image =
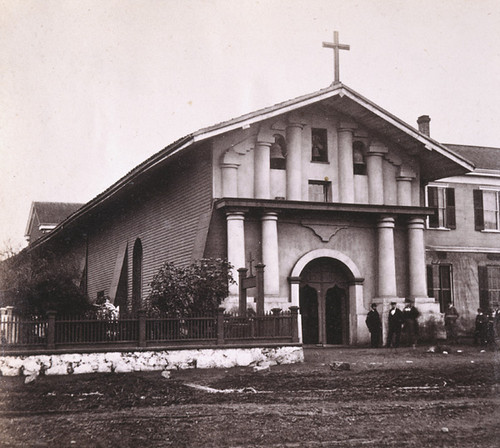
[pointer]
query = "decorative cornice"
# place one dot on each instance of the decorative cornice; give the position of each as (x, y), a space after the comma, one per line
(325, 231)
(330, 207)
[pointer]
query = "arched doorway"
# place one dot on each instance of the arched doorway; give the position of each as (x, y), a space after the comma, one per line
(324, 302)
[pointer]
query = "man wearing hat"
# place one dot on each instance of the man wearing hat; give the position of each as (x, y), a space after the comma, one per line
(395, 322)
(410, 323)
(450, 323)
(374, 325)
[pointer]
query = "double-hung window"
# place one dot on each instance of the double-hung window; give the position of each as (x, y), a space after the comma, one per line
(487, 209)
(439, 284)
(489, 286)
(442, 200)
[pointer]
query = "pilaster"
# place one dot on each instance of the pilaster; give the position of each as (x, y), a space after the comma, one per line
(229, 180)
(262, 167)
(346, 172)
(374, 170)
(294, 162)
(229, 174)
(404, 190)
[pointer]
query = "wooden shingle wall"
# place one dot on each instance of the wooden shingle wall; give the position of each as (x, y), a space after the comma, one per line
(164, 212)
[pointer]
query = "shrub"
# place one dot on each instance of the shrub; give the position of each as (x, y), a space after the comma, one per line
(198, 288)
(38, 284)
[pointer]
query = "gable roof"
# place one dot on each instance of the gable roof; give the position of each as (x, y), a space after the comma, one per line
(437, 160)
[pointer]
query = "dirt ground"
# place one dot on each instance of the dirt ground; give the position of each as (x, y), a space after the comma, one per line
(389, 398)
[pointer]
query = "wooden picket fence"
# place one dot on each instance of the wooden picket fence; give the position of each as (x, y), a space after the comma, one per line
(143, 330)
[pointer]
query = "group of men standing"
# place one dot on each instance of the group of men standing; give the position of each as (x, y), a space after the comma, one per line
(399, 321)
(487, 328)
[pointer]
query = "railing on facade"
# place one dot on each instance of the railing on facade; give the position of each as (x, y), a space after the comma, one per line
(143, 330)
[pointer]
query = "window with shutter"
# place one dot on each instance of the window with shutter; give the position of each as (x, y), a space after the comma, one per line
(442, 200)
(440, 284)
(483, 287)
(490, 210)
(444, 286)
(432, 201)
(493, 284)
(430, 282)
(486, 209)
(450, 209)
(478, 210)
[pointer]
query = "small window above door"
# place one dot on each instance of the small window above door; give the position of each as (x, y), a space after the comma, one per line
(319, 147)
(319, 191)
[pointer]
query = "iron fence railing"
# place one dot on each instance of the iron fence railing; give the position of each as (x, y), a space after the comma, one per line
(145, 330)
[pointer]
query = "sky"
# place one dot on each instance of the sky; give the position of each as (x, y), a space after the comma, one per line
(91, 88)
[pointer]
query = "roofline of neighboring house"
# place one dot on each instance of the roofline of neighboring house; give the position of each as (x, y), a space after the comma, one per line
(242, 122)
(33, 212)
(30, 219)
(484, 173)
(476, 177)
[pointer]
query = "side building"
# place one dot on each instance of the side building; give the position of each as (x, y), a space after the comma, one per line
(463, 236)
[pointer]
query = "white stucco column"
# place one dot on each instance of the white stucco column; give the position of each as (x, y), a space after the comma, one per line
(375, 172)
(262, 170)
(386, 258)
(404, 190)
(346, 168)
(294, 299)
(229, 180)
(416, 255)
(270, 254)
(235, 245)
(294, 162)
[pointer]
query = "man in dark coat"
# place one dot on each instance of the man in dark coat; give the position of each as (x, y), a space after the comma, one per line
(410, 324)
(395, 322)
(480, 328)
(374, 325)
(450, 324)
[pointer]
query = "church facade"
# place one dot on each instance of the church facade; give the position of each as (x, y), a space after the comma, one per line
(328, 191)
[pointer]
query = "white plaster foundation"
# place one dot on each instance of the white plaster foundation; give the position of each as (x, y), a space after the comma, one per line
(144, 361)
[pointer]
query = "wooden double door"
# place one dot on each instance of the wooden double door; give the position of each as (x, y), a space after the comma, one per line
(324, 302)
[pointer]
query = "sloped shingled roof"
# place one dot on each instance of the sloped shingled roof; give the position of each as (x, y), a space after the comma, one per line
(483, 157)
(54, 212)
(49, 214)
